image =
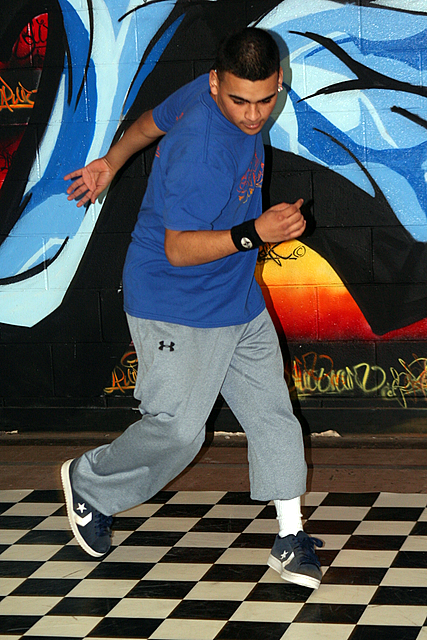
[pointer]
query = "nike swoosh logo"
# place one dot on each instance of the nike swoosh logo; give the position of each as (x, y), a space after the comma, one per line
(82, 522)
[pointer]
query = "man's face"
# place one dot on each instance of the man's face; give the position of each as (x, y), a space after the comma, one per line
(246, 104)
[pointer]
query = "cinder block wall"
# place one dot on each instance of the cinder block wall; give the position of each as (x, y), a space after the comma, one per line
(348, 300)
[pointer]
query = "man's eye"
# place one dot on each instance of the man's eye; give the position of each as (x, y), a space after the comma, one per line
(266, 101)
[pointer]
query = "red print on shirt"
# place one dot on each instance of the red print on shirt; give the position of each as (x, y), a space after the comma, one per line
(251, 179)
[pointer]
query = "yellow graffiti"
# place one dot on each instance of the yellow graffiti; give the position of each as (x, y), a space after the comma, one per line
(412, 381)
(19, 99)
(313, 373)
(124, 374)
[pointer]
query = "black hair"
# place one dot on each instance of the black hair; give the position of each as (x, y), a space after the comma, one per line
(250, 54)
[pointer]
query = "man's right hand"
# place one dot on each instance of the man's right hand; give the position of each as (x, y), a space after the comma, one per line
(281, 222)
(89, 181)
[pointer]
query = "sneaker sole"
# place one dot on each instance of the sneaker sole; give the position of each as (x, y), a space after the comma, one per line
(295, 578)
(68, 493)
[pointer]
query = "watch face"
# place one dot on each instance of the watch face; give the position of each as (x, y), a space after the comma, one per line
(246, 243)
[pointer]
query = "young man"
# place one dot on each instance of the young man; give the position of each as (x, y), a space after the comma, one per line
(197, 316)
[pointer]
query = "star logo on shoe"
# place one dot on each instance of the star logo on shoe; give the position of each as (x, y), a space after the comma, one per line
(82, 507)
(287, 557)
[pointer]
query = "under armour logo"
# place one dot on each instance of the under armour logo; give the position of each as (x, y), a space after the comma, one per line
(166, 346)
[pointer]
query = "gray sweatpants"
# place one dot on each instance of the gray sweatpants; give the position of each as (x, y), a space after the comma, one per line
(181, 371)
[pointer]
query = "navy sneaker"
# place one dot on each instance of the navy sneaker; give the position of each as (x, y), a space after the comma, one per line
(295, 559)
(91, 528)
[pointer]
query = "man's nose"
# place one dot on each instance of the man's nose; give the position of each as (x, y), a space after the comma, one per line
(252, 112)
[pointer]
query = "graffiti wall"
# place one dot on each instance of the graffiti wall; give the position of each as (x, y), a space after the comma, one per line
(349, 135)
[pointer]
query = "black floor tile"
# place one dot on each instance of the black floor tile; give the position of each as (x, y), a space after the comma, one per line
(354, 575)
(340, 527)
(394, 514)
(410, 560)
(199, 555)
(45, 587)
(18, 568)
(205, 609)
(330, 613)
(279, 592)
(71, 553)
(121, 570)
(254, 541)
(20, 522)
(239, 497)
(44, 495)
(377, 632)
(17, 625)
(127, 523)
(84, 607)
(161, 497)
(350, 499)
(125, 628)
(183, 510)
(222, 525)
(420, 529)
(375, 543)
(153, 538)
(235, 573)
(46, 536)
(252, 631)
(411, 596)
(5, 506)
(162, 589)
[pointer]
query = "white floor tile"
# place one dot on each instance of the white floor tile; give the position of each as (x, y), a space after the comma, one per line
(267, 611)
(342, 594)
(32, 509)
(177, 571)
(244, 556)
(339, 513)
(188, 630)
(197, 497)
(168, 524)
(220, 591)
(26, 552)
(65, 626)
(234, 511)
(137, 554)
(27, 605)
(206, 539)
(143, 608)
(75, 570)
(395, 615)
(362, 558)
(305, 631)
(92, 588)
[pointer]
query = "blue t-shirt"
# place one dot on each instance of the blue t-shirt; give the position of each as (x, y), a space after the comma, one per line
(207, 174)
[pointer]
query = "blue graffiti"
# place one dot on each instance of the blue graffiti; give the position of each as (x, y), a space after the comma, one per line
(43, 250)
(357, 101)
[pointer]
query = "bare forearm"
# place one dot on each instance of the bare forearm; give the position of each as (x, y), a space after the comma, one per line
(190, 248)
(139, 135)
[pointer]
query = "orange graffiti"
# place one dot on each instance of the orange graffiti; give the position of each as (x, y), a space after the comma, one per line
(18, 99)
(124, 374)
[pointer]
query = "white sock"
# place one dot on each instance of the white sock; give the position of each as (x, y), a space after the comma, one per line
(289, 516)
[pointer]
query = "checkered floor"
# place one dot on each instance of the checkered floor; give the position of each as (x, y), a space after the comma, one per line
(191, 565)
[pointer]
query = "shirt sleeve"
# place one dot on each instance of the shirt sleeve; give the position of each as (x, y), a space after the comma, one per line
(167, 113)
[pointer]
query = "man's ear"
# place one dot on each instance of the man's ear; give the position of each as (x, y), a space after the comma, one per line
(213, 82)
(280, 79)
